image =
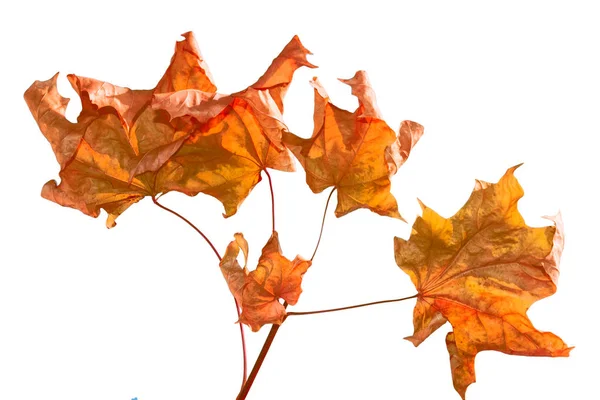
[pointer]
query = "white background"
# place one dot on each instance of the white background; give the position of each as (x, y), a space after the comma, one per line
(142, 310)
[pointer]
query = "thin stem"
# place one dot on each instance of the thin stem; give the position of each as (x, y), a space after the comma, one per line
(243, 338)
(322, 223)
(237, 306)
(350, 307)
(272, 198)
(190, 224)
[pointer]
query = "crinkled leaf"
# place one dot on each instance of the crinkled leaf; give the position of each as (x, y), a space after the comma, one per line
(481, 270)
(109, 157)
(205, 164)
(122, 148)
(236, 137)
(95, 155)
(265, 96)
(260, 291)
(354, 152)
(153, 134)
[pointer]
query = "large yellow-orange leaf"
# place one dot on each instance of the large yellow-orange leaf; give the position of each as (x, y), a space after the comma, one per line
(237, 136)
(259, 291)
(356, 153)
(481, 270)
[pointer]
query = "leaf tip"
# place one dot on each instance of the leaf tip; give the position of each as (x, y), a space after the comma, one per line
(511, 170)
(297, 47)
(296, 43)
(74, 81)
(45, 93)
(565, 352)
(319, 89)
(110, 221)
(189, 35)
(416, 342)
(48, 190)
(392, 213)
(189, 43)
(556, 219)
(399, 239)
(480, 185)
(360, 78)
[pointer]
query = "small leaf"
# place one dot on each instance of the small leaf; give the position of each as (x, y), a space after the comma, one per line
(259, 291)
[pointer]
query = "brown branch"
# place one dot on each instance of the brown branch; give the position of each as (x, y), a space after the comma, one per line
(350, 307)
(259, 360)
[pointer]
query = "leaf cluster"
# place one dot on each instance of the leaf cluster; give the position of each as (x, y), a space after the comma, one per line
(479, 270)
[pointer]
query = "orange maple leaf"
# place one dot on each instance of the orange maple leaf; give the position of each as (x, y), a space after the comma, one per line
(354, 152)
(237, 135)
(259, 292)
(481, 270)
(108, 158)
(116, 153)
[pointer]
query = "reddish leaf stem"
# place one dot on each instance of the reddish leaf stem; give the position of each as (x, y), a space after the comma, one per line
(322, 223)
(237, 306)
(272, 198)
(212, 246)
(350, 307)
(243, 339)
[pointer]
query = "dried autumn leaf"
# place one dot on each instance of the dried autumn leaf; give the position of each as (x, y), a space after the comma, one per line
(153, 134)
(265, 96)
(259, 292)
(94, 154)
(356, 153)
(108, 157)
(481, 270)
(237, 136)
(203, 164)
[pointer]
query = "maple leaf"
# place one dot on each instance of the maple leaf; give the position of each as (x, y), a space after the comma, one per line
(481, 270)
(114, 155)
(94, 155)
(109, 156)
(237, 136)
(259, 291)
(356, 153)
(153, 134)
